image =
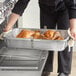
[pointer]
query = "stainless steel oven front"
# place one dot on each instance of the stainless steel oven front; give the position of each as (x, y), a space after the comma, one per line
(22, 62)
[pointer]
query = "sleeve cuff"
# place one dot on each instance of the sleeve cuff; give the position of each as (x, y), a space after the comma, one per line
(72, 13)
(20, 7)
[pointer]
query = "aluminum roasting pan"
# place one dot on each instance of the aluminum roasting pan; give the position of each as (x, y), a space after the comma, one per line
(58, 45)
(13, 42)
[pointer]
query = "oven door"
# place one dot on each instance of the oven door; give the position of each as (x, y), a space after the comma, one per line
(22, 59)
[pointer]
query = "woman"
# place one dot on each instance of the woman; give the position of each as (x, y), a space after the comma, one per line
(52, 12)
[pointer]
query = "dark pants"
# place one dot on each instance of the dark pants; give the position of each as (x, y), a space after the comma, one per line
(50, 17)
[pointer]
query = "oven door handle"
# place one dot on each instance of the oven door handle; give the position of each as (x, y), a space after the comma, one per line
(19, 68)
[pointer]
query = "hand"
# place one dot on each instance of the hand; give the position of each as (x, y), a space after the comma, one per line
(73, 33)
(73, 28)
(7, 28)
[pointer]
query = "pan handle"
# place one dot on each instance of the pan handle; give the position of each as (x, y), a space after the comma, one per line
(71, 41)
(45, 27)
(3, 34)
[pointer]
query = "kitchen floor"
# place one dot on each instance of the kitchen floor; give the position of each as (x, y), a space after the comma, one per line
(73, 72)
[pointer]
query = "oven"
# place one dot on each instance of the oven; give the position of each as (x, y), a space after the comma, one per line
(22, 62)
